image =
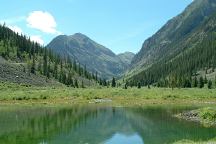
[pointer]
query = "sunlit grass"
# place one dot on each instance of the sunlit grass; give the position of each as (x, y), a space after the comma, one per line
(213, 141)
(15, 92)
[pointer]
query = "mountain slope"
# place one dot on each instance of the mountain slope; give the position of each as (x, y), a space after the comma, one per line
(179, 49)
(12, 72)
(166, 41)
(96, 57)
(126, 57)
(26, 62)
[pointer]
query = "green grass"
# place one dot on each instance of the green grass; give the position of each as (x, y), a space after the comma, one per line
(213, 141)
(132, 96)
(207, 116)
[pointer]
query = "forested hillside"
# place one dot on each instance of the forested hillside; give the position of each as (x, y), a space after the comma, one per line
(23, 59)
(183, 52)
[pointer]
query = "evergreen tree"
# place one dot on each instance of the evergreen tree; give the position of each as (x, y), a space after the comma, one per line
(40, 67)
(75, 65)
(96, 76)
(76, 83)
(187, 83)
(206, 80)
(125, 86)
(64, 78)
(215, 81)
(55, 73)
(79, 70)
(209, 84)
(113, 82)
(33, 65)
(100, 82)
(45, 65)
(104, 82)
(172, 80)
(85, 71)
(48, 69)
(195, 82)
(139, 85)
(201, 82)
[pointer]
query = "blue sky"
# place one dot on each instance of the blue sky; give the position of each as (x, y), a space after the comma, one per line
(121, 25)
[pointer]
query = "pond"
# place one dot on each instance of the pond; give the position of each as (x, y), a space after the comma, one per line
(97, 125)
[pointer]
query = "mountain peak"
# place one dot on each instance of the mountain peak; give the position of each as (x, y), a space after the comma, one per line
(96, 57)
(79, 35)
(127, 52)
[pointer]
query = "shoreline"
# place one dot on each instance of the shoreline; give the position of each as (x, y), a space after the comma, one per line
(205, 116)
(112, 101)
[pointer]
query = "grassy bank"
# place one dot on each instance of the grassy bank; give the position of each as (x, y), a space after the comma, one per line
(213, 141)
(206, 116)
(14, 93)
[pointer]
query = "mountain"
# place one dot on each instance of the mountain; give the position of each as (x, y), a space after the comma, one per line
(126, 57)
(25, 62)
(94, 56)
(182, 47)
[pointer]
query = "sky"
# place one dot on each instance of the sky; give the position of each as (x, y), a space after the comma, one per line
(120, 25)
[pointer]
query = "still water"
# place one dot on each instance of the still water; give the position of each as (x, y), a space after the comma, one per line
(97, 125)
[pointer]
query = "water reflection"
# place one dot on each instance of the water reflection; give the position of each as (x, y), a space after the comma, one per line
(125, 139)
(96, 125)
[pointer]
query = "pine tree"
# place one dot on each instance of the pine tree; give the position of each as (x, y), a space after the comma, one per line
(206, 80)
(64, 78)
(201, 82)
(209, 84)
(104, 82)
(100, 82)
(55, 72)
(187, 83)
(79, 70)
(48, 69)
(85, 71)
(215, 81)
(45, 65)
(113, 82)
(172, 80)
(69, 79)
(125, 86)
(195, 82)
(33, 65)
(40, 67)
(96, 76)
(76, 83)
(75, 65)
(139, 85)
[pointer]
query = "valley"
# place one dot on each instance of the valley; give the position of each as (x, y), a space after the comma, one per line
(61, 91)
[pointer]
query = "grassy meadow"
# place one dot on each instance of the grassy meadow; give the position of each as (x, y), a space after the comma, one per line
(14, 93)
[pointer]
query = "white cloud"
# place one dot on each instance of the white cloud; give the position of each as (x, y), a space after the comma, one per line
(37, 38)
(15, 29)
(42, 21)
